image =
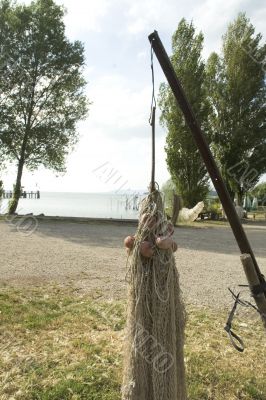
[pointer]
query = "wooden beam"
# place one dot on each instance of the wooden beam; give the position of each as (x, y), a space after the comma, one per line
(253, 282)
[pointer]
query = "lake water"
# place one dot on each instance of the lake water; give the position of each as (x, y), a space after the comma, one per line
(94, 205)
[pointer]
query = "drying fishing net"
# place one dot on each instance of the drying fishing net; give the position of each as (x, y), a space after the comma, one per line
(154, 361)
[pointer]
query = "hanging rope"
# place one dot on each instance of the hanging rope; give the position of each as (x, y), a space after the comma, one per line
(234, 338)
(153, 99)
(152, 123)
(152, 186)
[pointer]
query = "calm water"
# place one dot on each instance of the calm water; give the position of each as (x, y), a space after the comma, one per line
(99, 205)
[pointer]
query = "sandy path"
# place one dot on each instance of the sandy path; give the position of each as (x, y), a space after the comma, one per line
(91, 257)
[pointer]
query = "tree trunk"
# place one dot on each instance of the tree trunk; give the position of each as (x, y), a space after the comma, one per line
(1, 189)
(230, 191)
(240, 195)
(176, 208)
(17, 189)
(240, 198)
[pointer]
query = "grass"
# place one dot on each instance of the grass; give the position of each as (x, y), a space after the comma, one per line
(259, 215)
(57, 345)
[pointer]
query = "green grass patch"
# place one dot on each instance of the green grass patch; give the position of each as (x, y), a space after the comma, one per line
(57, 345)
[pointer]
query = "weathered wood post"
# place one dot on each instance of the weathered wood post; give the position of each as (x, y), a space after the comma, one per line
(254, 285)
(210, 163)
(176, 207)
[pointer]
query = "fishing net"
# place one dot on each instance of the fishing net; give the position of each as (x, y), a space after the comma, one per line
(154, 361)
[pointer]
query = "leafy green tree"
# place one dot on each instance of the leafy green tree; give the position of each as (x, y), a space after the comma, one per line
(41, 87)
(168, 189)
(259, 191)
(172, 200)
(184, 162)
(236, 83)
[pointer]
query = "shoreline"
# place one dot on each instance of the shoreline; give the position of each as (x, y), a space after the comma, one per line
(89, 256)
(8, 218)
(123, 221)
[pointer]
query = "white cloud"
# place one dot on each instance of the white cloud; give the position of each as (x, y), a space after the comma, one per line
(119, 111)
(213, 17)
(117, 52)
(85, 15)
(146, 15)
(142, 54)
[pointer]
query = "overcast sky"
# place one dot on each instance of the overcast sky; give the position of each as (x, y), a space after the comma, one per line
(115, 139)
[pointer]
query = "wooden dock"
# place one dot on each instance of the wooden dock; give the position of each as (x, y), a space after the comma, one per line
(8, 194)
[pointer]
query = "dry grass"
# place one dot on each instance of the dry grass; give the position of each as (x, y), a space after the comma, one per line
(58, 345)
(259, 215)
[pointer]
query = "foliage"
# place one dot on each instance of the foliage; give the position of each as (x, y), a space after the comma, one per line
(184, 162)
(168, 190)
(42, 87)
(215, 206)
(259, 191)
(236, 83)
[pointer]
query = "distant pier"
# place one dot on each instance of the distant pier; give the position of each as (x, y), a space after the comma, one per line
(8, 194)
(133, 202)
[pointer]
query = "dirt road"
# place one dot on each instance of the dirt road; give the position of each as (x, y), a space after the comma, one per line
(90, 257)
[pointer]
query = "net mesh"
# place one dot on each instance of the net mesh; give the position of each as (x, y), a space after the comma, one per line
(154, 361)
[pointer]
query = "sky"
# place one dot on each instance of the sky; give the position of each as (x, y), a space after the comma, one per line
(114, 150)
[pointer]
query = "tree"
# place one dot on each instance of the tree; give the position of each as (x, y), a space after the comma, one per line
(42, 87)
(236, 87)
(172, 200)
(168, 189)
(184, 162)
(259, 191)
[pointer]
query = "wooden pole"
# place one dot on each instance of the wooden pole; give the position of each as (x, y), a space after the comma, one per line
(253, 281)
(205, 152)
(176, 208)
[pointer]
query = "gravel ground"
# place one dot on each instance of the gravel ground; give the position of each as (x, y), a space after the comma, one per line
(90, 257)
